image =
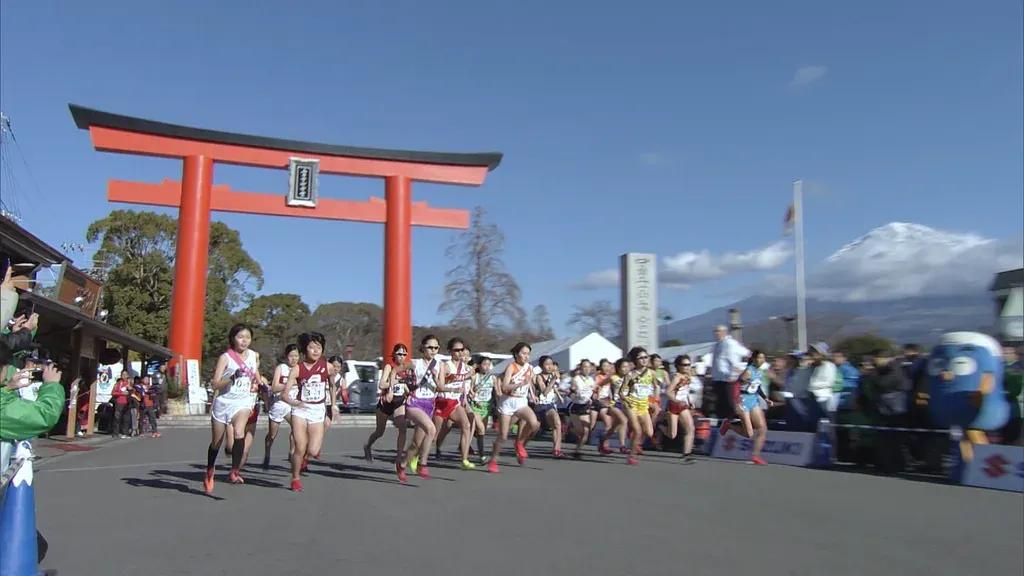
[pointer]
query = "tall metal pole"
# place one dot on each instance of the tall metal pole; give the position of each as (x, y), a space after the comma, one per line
(801, 288)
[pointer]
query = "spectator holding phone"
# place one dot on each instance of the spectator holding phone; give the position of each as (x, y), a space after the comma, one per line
(22, 419)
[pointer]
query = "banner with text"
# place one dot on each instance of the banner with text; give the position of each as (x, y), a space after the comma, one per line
(791, 448)
(993, 466)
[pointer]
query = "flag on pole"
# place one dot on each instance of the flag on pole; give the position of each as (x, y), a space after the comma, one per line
(787, 222)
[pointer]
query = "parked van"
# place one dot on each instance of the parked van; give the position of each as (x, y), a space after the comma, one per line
(361, 378)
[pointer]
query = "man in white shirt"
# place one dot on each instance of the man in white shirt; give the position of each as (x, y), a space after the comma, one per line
(823, 377)
(727, 363)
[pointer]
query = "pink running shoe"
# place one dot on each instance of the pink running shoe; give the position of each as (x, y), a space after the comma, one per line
(423, 472)
(758, 460)
(296, 485)
(632, 461)
(492, 467)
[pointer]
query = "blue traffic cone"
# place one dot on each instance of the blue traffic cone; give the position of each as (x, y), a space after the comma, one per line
(18, 544)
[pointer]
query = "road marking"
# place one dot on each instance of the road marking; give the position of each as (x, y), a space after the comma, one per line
(39, 470)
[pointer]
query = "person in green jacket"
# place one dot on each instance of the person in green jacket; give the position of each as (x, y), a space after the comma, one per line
(22, 419)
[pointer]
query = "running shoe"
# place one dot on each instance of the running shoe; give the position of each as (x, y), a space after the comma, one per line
(758, 460)
(492, 467)
(296, 485)
(558, 454)
(208, 481)
(689, 458)
(623, 450)
(577, 455)
(640, 450)
(235, 478)
(367, 453)
(156, 434)
(402, 476)
(521, 451)
(632, 461)
(724, 427)
(467, 465)
(603, 449)
(424, 473)
(414, 463)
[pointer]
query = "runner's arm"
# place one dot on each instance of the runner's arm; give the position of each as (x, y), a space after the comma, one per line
(292, 382)
(219, 383)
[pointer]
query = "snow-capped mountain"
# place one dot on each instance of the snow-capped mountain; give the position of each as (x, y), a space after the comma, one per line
(904, 240)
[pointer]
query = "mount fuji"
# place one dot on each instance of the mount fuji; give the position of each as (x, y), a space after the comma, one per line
(903, 281)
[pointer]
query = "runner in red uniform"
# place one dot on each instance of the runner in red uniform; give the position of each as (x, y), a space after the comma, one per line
(311, 405)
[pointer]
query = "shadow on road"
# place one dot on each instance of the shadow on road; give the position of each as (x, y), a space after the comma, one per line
(166, 485)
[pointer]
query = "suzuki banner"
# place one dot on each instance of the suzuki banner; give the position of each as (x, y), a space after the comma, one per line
(993, 466)
(791, 448)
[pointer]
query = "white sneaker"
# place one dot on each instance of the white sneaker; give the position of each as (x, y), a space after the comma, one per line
(123, 436)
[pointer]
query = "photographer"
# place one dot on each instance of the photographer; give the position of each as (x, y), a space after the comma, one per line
(22, 418)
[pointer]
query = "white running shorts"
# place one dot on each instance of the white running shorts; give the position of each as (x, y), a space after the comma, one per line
(509, 405)
(224, 409)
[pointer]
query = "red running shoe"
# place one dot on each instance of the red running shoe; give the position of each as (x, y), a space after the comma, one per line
(235, 478)
(558, 454)
(492, 467)
(423, 472)
(623, 450)
(724, 428)
(208, 481)
(758, 460)
(604, 449)
(402, 476)
(521, 451)
(296, 485)
(632, 461)
(640, 449)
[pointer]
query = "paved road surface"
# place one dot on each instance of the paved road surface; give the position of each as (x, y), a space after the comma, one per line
(137, 507)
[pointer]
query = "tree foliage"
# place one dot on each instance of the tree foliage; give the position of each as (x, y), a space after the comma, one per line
(599, 316)
(671, 342)
(480, 293)
(136, 252)
(541, 322)
(857, 347)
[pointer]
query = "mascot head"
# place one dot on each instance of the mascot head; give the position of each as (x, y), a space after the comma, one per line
(966, 382)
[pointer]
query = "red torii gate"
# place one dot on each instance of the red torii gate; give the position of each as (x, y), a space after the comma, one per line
(196, 195)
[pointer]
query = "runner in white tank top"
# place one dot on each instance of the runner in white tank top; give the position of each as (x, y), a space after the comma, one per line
(449, 406)
(236, 378)
(513, 391)
(280, 410)
(419, 407)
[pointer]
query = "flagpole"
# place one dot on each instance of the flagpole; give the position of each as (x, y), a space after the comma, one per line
(801, 304)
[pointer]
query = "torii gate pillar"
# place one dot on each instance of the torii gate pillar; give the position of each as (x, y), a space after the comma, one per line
(397, 262)
(191, 258)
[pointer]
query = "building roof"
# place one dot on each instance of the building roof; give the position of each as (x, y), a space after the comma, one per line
(26, 246)
(107, 332)
(1008, 279)
(87, 117)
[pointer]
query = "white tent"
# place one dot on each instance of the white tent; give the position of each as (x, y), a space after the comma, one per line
(569, 351)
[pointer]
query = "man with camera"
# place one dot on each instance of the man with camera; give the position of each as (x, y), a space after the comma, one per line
(31, 399)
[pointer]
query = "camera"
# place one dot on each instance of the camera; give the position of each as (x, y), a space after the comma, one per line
(37, 375)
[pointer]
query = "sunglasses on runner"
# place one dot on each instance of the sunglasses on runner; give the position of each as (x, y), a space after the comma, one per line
(432, 347)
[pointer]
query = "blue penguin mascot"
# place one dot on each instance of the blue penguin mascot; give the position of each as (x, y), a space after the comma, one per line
(966, 387)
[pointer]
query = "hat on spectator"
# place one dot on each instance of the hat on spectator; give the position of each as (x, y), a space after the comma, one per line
(819, 347)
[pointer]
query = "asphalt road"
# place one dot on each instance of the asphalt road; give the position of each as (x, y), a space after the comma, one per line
(136, 507)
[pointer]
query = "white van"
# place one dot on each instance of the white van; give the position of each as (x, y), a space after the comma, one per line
(361, 379)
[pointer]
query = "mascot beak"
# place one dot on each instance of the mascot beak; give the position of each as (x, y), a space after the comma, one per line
(947, 375)
(987, 383)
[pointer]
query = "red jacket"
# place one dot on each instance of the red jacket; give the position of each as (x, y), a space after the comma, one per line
(121, 391)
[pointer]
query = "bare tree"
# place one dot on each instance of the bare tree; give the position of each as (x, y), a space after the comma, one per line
(480, 292)
(541, 322)
(600, 317)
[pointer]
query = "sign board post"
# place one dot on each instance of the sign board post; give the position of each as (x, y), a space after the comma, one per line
(639, 310)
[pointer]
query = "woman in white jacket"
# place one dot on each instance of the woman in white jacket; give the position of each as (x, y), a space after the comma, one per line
(823, 377)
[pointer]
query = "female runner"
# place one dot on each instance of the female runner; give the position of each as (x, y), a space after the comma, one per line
(448, 405)
(546, 397)
(636, 388)
(280, 411)
(751, 416)
(609, 410)
(236, 378)
(661, 382)
(419, 406)
(581, 394)
(311, 405)
(514, 392)
(679, 405)
(481, 401)
(395, 382)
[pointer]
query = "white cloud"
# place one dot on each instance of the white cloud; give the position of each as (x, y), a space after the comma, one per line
(608, 278)
(902, 260)
(652, 158)
(687, 268)
(807, 75)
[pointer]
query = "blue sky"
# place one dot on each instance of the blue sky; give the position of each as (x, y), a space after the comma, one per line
(664, 127)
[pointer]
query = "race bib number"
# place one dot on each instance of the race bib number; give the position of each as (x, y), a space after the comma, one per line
(397, 389)
(314, 390)
(241, 386)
